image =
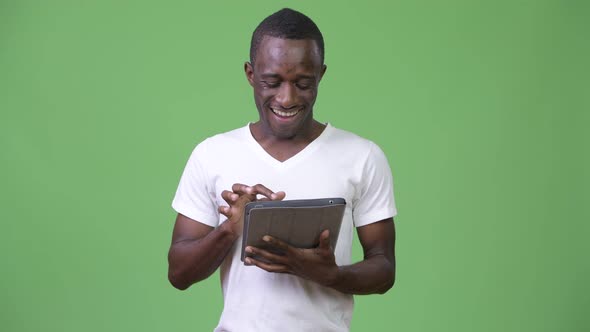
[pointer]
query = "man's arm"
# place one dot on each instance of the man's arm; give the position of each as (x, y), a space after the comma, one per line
(197, 250)
(374, 274)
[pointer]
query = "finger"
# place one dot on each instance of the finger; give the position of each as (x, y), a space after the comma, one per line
(225, 210)
(229, 196)
(325, 240)
(276, 268)
(269, 256)
(243, 200)
(278, 196)
(260, 189)
(277, 243)
(241, 189)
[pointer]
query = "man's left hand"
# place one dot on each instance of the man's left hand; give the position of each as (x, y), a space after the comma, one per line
(316, 264)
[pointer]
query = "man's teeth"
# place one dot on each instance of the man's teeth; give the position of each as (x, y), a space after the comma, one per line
(284, 114)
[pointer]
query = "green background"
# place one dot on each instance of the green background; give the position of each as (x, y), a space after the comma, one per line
(481, 107)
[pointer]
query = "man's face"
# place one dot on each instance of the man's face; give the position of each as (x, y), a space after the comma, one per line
(285, 78)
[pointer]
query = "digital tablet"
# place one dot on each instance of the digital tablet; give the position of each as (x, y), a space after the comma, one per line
(296, 222)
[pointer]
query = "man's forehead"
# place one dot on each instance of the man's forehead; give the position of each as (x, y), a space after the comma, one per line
(281, 48)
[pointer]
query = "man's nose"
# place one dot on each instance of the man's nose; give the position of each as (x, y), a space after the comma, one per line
(286, 96)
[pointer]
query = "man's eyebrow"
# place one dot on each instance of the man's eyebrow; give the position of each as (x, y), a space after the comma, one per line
(270, 76)
(299, 77)
(306, 77)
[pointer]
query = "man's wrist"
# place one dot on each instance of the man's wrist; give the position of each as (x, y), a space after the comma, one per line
(332, 278)
(229, 229)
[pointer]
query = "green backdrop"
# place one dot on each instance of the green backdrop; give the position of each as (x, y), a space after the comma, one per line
(481, 107)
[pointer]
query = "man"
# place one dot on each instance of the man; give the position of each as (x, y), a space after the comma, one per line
(288, 151)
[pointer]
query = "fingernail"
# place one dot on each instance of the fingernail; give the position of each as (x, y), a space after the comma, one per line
(248, 261)
(248, 249)
(266, 238)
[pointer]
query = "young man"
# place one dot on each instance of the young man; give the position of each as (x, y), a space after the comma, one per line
(290, 152)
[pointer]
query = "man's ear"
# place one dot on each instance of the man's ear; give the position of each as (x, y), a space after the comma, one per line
(324, 68)
(249, 70)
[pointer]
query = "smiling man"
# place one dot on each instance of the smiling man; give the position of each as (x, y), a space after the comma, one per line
(298, 157)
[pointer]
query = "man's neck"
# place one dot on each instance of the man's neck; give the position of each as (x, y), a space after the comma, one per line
(283, 148)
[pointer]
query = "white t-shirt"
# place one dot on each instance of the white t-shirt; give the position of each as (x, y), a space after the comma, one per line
(336, 164)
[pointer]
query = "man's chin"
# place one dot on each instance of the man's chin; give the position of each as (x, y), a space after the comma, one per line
(286, 129)
(284, 132)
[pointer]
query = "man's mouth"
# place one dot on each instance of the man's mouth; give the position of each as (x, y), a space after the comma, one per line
(285, 114)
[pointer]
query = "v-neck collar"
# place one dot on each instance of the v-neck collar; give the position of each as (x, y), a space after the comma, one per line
(299, 156)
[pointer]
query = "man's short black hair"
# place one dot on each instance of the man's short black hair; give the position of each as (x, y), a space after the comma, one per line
(287, 24)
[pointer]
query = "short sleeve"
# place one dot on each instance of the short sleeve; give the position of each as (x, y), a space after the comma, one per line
(375, 199)
(194, 198)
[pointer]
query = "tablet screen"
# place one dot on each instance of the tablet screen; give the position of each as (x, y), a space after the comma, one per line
(296, 222)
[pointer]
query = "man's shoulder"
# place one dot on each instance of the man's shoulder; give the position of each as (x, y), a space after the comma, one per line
(229, 137)
(349, 139)
(218, 142)
(232, 136)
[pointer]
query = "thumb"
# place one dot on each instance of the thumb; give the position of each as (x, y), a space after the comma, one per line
(325, 240)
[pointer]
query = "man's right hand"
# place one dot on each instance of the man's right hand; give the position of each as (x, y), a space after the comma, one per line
(197, 249)
(238, 197)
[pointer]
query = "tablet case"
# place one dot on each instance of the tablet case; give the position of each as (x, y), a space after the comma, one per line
(296, 222)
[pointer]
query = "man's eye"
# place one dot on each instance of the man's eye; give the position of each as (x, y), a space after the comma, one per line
(270, 84)
(304, 85)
